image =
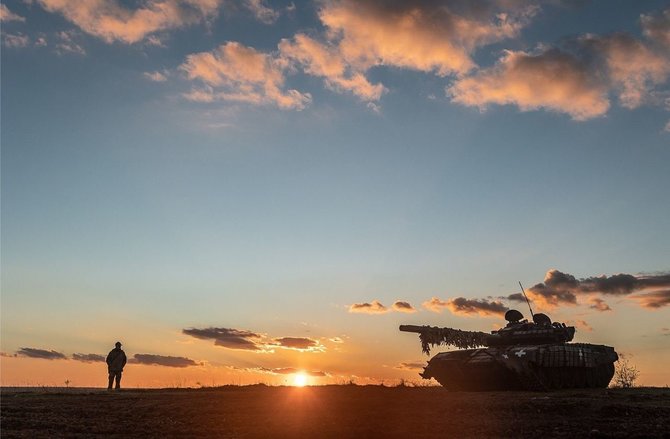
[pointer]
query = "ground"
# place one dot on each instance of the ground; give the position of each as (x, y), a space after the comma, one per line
(333, 412)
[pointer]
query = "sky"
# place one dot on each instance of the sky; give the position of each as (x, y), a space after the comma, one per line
(241, 191)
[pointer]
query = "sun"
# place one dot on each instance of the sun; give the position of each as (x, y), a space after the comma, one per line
(300, 380)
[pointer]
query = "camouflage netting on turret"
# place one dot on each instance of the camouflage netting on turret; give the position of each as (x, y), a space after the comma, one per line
(453, 337)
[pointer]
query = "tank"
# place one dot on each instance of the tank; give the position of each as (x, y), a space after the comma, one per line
(523, 355)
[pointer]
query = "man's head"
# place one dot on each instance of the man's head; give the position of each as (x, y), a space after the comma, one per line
(118, 344)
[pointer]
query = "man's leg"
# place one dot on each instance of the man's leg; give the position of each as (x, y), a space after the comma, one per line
(111, 380)
(118, 380)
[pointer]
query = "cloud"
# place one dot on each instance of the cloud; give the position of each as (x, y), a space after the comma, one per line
(483, 307)
(325, 61)
(656, 27)
(112, 21)
(564, 289)
(7, 15)
(581, 324)
(425, 35)
(89, 358)
(41, 353)
(402, 306)
(5, 354)
(297, 343)
(558, 289)
(234, 72)
(368, 308)
(163, 360)
(553, 80)
(599, 304)
(653, 300)
(338, 340)
(435, 304)
(633, 67)
(413, 365)
(261, 11)
(228, 338)
(155, 76)
(67, 44)
(576, 77)
(15, 41)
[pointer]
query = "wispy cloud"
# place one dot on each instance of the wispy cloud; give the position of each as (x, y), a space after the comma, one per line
(88, 358)
(41, 353)
(7, 15)
(234, 72)
(67, 43)
(580, 324)
(325, 60)
(163, 360)
(599, 304)
(15, 41)
(656, 27)
(262, 11)
(155, 76)
(411, 365)
(112, 21)
(653, 300)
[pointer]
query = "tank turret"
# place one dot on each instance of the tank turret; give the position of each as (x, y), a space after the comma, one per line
(527, 355)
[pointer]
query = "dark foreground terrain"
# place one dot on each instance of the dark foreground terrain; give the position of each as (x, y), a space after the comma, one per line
(334, 412)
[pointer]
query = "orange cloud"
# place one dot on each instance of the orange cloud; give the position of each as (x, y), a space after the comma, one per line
(429, 36)
(368, 308)
(553, 80)
(653, 300)
(298, 344)
(322, 60)
(435, 304)
(234, 72)
(402, 306)
(112, 21)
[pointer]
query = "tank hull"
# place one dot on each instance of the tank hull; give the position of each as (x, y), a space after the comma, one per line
(530, 367)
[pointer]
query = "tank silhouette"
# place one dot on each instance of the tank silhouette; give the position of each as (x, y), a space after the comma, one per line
(523, 355)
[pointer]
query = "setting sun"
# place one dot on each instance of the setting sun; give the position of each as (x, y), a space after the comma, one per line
(300, 380)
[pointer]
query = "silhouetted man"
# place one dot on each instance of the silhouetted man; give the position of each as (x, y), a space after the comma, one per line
(116, 359)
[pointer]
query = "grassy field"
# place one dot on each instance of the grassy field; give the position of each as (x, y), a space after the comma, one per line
(333, 412)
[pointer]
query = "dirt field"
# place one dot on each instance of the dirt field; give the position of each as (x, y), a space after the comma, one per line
(333, 412)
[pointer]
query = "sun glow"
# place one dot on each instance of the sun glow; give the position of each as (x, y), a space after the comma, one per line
(300, 380)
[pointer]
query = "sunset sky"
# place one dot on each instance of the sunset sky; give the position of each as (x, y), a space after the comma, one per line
(240, 190)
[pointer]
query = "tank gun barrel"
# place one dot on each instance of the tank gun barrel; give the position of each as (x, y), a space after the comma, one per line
(434, 336)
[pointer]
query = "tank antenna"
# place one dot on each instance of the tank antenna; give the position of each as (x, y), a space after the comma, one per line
(527, 301)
